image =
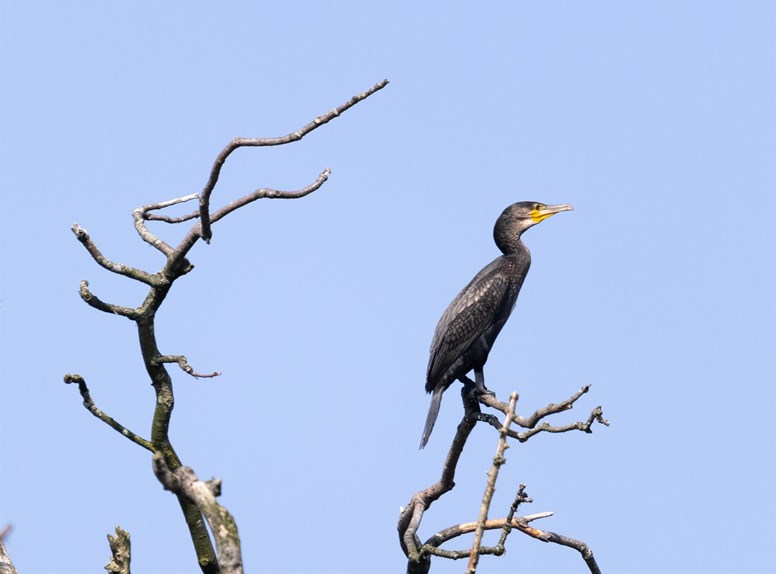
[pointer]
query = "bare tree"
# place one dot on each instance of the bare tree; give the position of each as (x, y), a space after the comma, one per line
(197, 499)
(419, 553)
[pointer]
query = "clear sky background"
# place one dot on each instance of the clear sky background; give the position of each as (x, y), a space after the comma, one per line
(654, 119)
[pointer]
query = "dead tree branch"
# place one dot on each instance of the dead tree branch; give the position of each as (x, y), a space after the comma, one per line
(121, 552)
(418, 554)
(184, 482)
(175, 266)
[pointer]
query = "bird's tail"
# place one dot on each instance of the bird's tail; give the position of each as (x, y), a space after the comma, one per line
(433, 411)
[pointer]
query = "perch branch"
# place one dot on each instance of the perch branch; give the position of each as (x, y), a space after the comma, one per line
(112, 423)
(204, 199)
(411, 516)
(183, 481)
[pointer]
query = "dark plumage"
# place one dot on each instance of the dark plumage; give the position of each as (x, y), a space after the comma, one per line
(470, 324)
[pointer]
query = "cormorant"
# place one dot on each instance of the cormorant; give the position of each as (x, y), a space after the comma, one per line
(470, 324)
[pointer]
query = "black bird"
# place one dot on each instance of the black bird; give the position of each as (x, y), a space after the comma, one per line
(471, 323)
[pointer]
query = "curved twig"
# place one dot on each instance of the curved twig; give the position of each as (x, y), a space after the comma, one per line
(204, 199)
(531, 422)
(93, 301)
(184, 364)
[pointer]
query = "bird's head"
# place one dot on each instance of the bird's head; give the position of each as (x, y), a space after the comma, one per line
(518, 217)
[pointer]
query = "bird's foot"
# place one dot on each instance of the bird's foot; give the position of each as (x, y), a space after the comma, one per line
(483, 390)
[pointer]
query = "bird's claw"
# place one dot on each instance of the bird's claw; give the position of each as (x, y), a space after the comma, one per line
(483, 390)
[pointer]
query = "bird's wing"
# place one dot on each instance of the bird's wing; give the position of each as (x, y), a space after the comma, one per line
(467, 318)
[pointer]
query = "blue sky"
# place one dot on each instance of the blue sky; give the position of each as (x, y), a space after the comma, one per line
(654, 119)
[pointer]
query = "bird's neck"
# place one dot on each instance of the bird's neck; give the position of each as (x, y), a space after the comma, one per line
(512, 246)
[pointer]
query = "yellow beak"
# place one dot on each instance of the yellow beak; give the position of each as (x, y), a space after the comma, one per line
(542, 212)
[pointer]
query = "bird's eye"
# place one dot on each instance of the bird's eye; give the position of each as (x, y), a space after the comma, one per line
(537, 206)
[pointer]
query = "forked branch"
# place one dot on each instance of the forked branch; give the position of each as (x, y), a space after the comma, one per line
(531, 422)
(204, 198)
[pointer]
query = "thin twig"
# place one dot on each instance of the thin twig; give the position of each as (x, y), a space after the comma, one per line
(596, 415)
(520, 498)
(184, 364)
(145, 213)
(531, 422)
(111, 422)
(490, 487)
(168, 219)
